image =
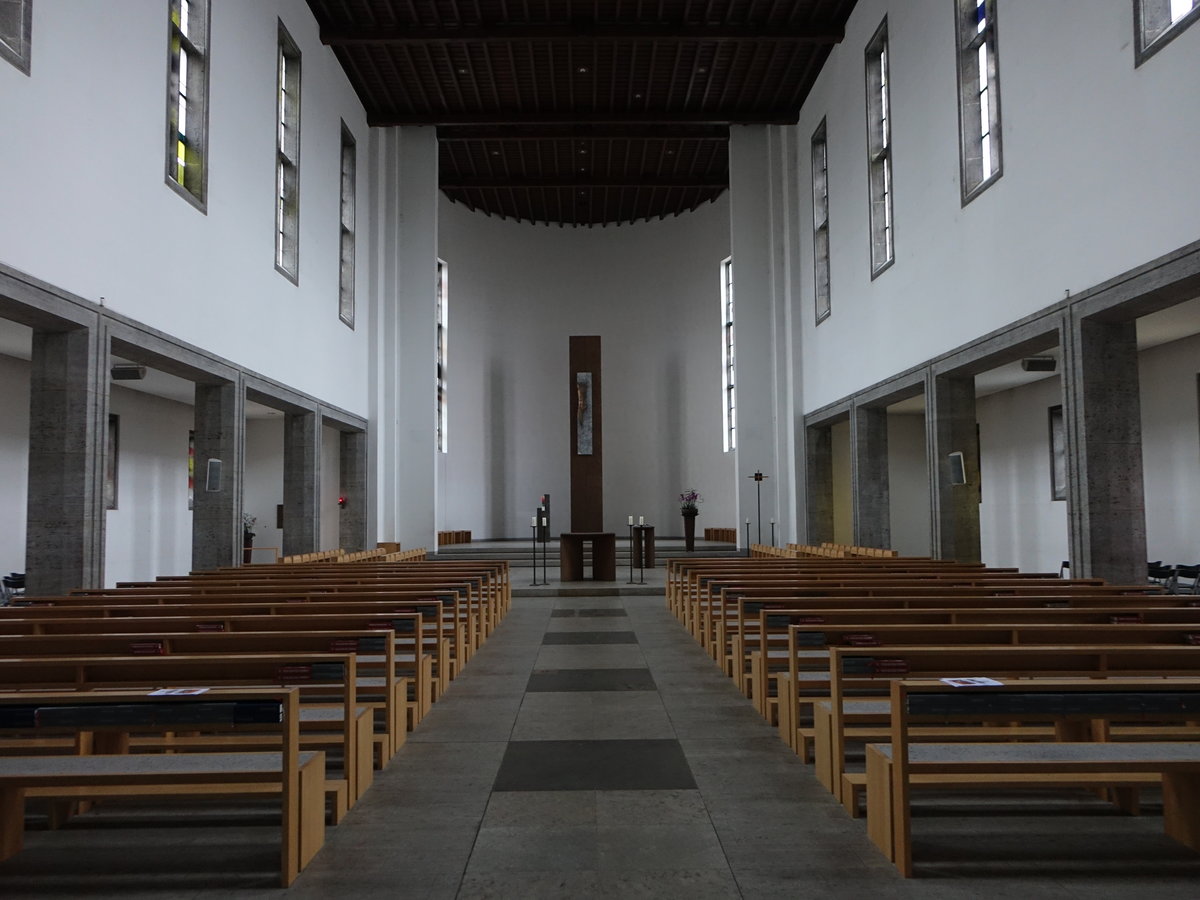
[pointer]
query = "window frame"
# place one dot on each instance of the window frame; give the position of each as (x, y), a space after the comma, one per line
(21, 56)
(443, 319)
(347, 226)
(728, 358)
(288, 73)
(196, 49)
(1143, 48)
(880, 168)
(969, 40)
(822, 282)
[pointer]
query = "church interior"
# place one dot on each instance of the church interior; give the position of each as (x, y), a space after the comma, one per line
(470, 314)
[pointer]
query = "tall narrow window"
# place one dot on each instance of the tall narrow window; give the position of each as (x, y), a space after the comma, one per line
(1158, 22)
(287, 158)
(820, 193)
(187, 100)
(441, 355)
(730, 382)
(978, 96)
(16, 20)
(879, 151)
(346, 266)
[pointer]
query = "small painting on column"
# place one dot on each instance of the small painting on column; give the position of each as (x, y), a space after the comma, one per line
(1058, 455)
(583, 413)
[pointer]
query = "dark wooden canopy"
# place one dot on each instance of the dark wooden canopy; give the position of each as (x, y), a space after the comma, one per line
(582, 113)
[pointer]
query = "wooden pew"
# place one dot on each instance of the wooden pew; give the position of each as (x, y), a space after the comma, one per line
(296, 776)
(853, 671)
(441, 637)
(895, 768)
(322, 678)
(380, 686)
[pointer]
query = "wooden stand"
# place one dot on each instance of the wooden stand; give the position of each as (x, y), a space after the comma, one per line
(604, 555)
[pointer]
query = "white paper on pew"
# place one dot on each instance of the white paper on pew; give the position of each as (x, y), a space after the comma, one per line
(177, 692)
(976, 681)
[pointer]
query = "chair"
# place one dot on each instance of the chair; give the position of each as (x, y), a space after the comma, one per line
(1160, 574)
(1192, 572)
(11, 585)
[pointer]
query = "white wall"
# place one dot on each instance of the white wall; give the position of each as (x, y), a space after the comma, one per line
(331, 476)
(82, 163)
(150, 532)
(262, 485)
(1171, 450)
(908, 485)
(843, 509)
(517, 292)
(14, 461)
(1020, 525)
(1090, 145)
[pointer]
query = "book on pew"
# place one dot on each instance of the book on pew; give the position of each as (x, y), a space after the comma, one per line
(313, 672)
(186, 712)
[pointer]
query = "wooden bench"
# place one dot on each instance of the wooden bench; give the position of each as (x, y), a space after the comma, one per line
(297, 776)
(894, 769)
(380, 686)
(853, 671)
(328, 679)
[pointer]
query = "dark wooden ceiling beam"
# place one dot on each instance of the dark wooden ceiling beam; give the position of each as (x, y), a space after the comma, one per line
(558, 31)
(718, 117)
(584, 183)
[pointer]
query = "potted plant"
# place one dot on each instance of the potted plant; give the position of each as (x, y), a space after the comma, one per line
(687, 508)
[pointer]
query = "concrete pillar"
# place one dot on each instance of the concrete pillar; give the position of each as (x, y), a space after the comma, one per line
(217, 502)
(818, 452)
(352, 524)
(869, 476)
(751, 239)
(951, 428)
(68, 422)
(301, 482)
(404, 165)
(1102, 413)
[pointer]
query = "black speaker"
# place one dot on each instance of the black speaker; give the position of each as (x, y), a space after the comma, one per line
(212, 477)
(1039, 364)
(127, 372)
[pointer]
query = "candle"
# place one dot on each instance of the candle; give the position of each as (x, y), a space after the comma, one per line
(631, 520)
(641, 520)
(543, 523)
(533, 521)
(747, 520)
(772, 521)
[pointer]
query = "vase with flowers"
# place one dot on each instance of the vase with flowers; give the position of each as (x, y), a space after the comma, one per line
(687, 508)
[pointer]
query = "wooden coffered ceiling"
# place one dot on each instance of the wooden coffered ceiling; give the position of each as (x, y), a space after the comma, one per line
(582, 113)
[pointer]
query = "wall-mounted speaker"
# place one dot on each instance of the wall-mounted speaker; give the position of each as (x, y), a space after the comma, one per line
(212, 476)
(127, 372)
(1039, 364)
(958, 469)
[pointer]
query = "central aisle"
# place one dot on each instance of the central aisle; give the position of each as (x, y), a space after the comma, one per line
(591, 749)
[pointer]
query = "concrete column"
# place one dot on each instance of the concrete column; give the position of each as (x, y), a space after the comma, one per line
(352, 524)
(869, 494)
(404, 355)
(217, 507)
(68, 422)
(818, 452)
(951, 428)
(1102, 413)
(301, 482)
(750, 228)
